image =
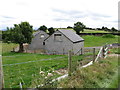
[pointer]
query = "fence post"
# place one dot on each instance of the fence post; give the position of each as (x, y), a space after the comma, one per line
(1, 74)
(103, 52)
(69, 63)
(93, 55)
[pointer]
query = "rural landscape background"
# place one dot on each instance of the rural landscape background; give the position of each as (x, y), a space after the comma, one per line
(26, 67)
(96, 65)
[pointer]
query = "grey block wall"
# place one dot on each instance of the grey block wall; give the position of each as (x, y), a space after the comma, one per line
(61, 47)
(77, 47)
(37, 41)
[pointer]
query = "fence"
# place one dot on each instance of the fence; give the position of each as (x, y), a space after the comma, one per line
(91, 55)
(25, 70)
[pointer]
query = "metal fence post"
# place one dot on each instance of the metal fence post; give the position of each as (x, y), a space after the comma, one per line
(69, 63)
(1, 74)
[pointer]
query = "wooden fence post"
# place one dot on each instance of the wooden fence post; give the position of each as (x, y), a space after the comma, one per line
(103, 51)
(69, 63)
(93, 55)
(1, 74)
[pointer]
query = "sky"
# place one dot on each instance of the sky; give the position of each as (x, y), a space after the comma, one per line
(59, 13)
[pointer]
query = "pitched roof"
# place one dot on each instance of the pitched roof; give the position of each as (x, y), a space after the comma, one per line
(36, 33)
(70, 34)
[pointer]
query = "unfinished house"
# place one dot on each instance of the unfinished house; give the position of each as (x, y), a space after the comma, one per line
(61, 41)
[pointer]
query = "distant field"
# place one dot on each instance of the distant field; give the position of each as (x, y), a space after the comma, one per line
(90, 31)
(92, 41)
(8, 47)
(94, 31)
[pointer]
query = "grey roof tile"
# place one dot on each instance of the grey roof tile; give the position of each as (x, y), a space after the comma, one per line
(71, 35)
(40, 31)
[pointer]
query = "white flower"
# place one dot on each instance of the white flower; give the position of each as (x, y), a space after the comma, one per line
(50, 74)
(41, 72)
(45, 77)
(53, 71)
(42, 85)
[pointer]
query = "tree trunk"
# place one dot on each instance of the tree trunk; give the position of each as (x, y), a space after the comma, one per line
(78, 33)
(21, 48)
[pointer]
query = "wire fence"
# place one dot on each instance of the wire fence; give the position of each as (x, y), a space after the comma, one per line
(82, 57)
(36, 71)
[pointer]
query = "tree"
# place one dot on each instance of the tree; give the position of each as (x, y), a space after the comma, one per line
(103, 28)
(69, 27)
(79, 27)
(20, 33)
(51, 30)
(113, 29)
(43, 28)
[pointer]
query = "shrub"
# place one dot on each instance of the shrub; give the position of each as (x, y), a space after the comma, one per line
(108, 36)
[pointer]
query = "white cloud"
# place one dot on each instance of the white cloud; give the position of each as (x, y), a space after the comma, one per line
(93, 13)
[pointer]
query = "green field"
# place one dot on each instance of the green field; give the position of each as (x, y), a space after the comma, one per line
(25, 68)
(88, 31)
(94, 31)
(6, 48)
(93, 41)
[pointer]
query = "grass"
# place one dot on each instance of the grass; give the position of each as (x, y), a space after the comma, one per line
(100, 75)
(93, 41)
(7, 47)
(15, 74)
(115, 50)
(28, 72)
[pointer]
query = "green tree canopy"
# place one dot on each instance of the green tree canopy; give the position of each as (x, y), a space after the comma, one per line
(43, 28)
(69, 27)
(51, 30)
(20, 33)
(113, 29)
(79, 26)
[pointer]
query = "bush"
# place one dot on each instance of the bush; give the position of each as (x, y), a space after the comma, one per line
(108, 36)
